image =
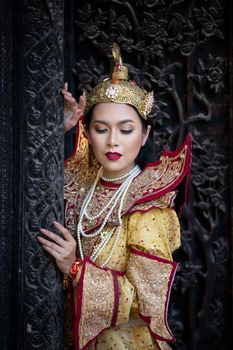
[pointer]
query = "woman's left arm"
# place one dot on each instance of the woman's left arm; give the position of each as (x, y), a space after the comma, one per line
(152, 237)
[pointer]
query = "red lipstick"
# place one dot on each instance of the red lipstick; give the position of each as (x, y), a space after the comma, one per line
(113, 155)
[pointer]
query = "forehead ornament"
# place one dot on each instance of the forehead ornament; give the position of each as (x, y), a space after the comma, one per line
(112, 92)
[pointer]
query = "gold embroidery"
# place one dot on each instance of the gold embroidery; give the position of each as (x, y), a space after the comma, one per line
(149, 227)
(88, 245)
(97, 303)
(162, 202)
(163, 345)
(70, 217)
(79, 176)
(151, 279)
(157, 177)
(91, 347)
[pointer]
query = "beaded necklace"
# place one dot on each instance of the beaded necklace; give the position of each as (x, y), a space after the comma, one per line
(118, 197)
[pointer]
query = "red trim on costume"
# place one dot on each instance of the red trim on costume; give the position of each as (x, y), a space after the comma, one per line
(76, 140)
(109, 184)
(160, 192)
(142, 211)
(79, 307)
(170, 283)
(147, 319)
(72, 303)
(172, 154)
(147, 197)
(115, 274)
(116, 299)
(159, 348)
(187, 141)
(152, 257)
(189, 168)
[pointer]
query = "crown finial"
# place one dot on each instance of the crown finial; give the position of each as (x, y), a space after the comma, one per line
(116, 53)
(120, 72)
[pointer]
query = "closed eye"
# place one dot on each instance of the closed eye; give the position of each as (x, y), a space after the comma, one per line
(101, 131)
(127, 131)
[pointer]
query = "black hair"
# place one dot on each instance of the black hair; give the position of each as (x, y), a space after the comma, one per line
(147, 152)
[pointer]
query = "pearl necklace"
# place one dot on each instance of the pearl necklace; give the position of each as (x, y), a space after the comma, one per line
(119, 195)
(114, 179)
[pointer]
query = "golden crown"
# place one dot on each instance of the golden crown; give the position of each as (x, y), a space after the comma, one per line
(119, 89)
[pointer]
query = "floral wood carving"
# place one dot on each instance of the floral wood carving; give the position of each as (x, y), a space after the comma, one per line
(41, 181)
(177, 49)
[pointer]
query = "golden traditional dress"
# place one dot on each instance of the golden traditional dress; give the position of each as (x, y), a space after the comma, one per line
(124, 305)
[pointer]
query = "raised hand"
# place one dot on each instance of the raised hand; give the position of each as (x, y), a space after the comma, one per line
(62, 249)
(72, 110)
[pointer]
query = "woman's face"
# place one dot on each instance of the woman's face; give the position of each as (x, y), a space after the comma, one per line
(116, 136)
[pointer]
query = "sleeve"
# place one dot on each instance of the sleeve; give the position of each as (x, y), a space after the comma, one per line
(153, 236)
(156, 232)
(106, 298)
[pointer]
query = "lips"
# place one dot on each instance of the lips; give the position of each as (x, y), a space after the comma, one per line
(113, 155)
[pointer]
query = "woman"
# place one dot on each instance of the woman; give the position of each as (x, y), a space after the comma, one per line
(120, 210)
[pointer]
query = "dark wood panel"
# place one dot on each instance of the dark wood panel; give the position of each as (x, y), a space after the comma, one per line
(180, 49)
(6, 156)
(38, 171)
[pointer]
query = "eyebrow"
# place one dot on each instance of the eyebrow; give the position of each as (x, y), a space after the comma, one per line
(121, 122)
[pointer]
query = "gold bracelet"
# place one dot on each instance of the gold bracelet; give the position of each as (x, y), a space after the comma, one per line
(77, 278)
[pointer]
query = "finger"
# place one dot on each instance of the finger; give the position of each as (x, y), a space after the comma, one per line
(50, 245)
(66, 86)
(76, 114)
(66, 234)
(71, 100)
(70, 103)
(63, 90)
(60, 241)
(55, 254)
(75, 117)
(66, 93)
(82, 102)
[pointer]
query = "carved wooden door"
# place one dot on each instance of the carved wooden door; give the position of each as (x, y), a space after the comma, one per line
(181, 50)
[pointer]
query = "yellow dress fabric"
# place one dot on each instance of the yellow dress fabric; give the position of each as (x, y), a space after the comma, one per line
(156, 232)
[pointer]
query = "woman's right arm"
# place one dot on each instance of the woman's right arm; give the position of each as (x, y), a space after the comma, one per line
(72, 110)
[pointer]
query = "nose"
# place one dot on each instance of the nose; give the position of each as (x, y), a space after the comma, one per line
(112, 139)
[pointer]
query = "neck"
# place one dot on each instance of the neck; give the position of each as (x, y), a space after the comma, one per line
(123, 177)
(111, 175)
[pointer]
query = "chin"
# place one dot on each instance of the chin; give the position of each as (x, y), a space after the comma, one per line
(113, 168)
(116, 168)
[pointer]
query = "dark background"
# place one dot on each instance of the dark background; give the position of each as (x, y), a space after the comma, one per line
(180, 49)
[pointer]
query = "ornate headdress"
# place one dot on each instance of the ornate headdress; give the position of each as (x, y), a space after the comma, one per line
(119, 89)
